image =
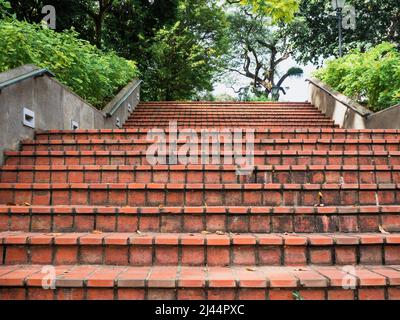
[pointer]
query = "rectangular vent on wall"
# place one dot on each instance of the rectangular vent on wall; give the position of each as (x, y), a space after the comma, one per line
(28, 118)
(74, 125)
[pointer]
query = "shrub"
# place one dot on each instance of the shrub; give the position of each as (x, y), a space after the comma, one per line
(372, 78)
(94, 75)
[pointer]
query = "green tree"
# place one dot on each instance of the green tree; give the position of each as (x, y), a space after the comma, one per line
(314, 31)
(257, 51)
(372, 77)
(183, 59)
(110, 24)
(175, 42)
(4, 8)
(91, 73)
(277, 10)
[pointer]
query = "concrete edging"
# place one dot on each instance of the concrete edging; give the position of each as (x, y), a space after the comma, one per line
(347, 113)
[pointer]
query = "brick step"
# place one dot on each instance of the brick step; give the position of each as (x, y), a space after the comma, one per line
(238, 121)
(154, 194)
(217, 114)
(232, 123)
(302, 174)
(245, 219)
(272, 157)
(212, 283)
(224, 117)
(227, 114)
(316, 133)
(227, 111)
(218, 103)
(274, 125)
(258, 134)
(241, 144)
(224, 108)
(190, 249)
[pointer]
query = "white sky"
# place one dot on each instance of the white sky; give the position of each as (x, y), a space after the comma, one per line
(298, 87)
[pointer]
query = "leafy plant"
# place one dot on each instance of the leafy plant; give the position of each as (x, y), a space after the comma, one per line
(183, 58)
(4, 7)
(314, 35)
(372, 78)
(277, 10)
(297, 295)
(94, 75)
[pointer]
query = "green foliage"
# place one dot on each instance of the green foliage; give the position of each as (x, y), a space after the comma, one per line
(92, 74)
(182, 59)
(372, 78)
(314, 31)
(4, 7)
(297, 295)
(278, 10)
(256, 52)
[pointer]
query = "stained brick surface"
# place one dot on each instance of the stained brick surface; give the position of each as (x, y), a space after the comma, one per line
(318, 218)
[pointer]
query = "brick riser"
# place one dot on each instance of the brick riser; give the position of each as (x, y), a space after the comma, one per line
(283, 174)
(305, 133)
(327, 219)
(154, 194)
(199, 250)
(259, 145)
(320, 198)
(273, 283)
(271, 157)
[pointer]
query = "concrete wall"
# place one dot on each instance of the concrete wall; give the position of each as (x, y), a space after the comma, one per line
(55, 106)
(347, 113)
(388, 118)
(122, 112)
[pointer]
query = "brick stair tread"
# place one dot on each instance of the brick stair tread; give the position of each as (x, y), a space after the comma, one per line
(293, 153)
(201, 277)
(184, 141)
(299, 130)
(205, 167)
(203, 186)
(197, 239)
(281, 210)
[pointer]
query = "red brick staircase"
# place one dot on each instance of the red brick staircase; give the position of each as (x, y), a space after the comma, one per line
(318, 218)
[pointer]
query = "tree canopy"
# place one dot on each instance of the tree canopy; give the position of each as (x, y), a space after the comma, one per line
(372, 77)
(257, 52)
(94, 75)
(181, 47)
(314, 31)
(276, 10)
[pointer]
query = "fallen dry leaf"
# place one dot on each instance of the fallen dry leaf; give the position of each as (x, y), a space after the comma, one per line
(382, 230)
(300, 269)
(251, 269)
(53, 234)
(97, 232)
